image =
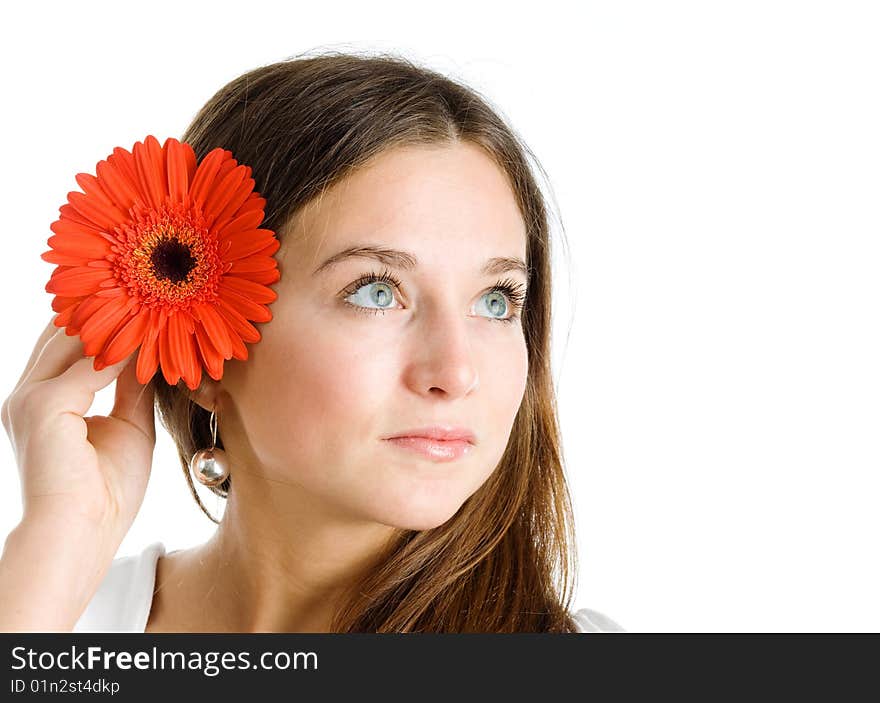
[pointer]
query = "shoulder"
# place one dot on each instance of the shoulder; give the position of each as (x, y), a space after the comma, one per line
(593, 621)
(122, 601)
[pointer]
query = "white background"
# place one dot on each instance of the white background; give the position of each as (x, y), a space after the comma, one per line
(716, 167)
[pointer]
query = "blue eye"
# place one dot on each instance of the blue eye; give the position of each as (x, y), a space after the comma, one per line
(497, 304)
(379, 291)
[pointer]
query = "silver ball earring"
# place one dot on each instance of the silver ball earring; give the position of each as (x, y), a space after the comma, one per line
(210, 466)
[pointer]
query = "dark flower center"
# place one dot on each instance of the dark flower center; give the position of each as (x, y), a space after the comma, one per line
(172, 260)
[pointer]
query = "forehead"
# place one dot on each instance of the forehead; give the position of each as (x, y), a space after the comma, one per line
(432, 200)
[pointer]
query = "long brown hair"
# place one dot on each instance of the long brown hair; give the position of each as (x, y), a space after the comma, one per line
(506, 561)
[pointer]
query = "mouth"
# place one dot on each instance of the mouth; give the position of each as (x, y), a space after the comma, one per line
(432, 448)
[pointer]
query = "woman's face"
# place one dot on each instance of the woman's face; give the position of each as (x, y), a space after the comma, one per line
(329, 381)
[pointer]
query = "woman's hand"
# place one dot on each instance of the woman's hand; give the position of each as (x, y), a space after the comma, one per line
(88, 471)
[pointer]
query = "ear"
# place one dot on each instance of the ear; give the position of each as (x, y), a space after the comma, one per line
(207, 394)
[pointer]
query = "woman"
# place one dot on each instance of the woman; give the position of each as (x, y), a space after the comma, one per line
(414, 298)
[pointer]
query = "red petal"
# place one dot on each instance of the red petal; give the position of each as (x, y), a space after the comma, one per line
(236, 200)
(245, 221)
(167, 360)
(150, 165)
(252, 291)
(182, 346)
(208, 355)
(227, 165)
(100, 346)
(77, 281)
(92, 188)
(69, 213)
(127, 339)
(222, 192)
(216, 328)
(83, 312)
(234, 203)
(118, 186)
(191, 162)
(100, 264)
(242, 244)
(100, 325)
(205, 174)
(60, 303)
(57, 257)
(254, 203)
(105, 217)
(229, 195)
(123, 161)
(270, 250)
(178, 178)
(63, 317)
(110, 289)
(263, 278)
(80, 243)
(237, 322)
(64, 225)
(148, 355)
(253, 263)
(239, 350)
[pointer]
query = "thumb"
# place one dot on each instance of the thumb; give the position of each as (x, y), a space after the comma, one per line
(134, 400)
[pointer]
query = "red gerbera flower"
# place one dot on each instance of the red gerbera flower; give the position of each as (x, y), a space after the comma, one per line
(165, 254)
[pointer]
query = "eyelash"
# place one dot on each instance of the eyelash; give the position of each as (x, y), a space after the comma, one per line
(514, 291)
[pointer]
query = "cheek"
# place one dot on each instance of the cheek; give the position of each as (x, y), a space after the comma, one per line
(318, 386)
(505, 379)
(518, 370)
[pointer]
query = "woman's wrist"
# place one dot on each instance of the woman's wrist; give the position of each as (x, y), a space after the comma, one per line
(49, 570)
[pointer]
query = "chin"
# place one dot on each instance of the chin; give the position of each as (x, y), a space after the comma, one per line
(423, 518)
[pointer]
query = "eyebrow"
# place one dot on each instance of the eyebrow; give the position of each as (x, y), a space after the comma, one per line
(407, 261)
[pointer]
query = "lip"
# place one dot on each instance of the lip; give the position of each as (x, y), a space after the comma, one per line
(437, 443)
(433, 449)
(443, 433)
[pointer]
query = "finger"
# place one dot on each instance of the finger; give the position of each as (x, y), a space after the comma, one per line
(80, 382)
(134, 400)
(58, 355)
(45, 336)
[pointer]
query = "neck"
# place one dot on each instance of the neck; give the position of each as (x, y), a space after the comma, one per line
(282, 560)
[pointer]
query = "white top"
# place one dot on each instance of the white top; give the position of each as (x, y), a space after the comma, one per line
(123, 600)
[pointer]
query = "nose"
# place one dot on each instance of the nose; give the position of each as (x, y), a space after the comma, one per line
(441, 356)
